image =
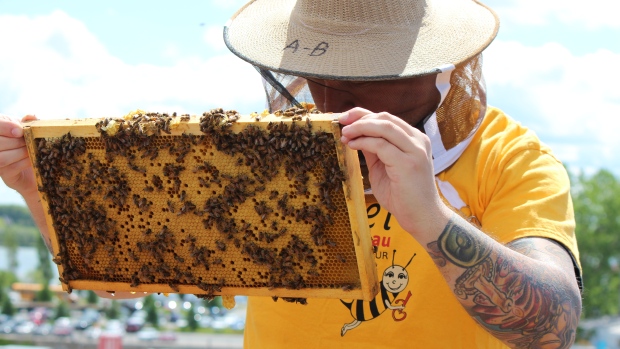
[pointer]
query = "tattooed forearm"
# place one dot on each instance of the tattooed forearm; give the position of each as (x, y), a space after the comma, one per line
(460, 247)
(524, 302)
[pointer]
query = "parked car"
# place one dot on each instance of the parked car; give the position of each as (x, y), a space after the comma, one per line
(230, 320)
(93, 332)
(134, 324)
(87, 319)
(39, 315)
(148, 334)
(115, 327)
(43, 329)
(26, 327)
(10, 325)
(62, 327)
(168, 336)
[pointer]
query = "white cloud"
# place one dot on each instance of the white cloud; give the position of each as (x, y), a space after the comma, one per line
(573, 99)
(56, 68)
(592, 14)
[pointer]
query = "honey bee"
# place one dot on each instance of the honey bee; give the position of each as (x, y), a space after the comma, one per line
(57, 259)
(301, 301)
(220, 245)
(174, 287)
(171, 206)
(347, 287)
(157, 182)
(135, 281)
(133, 256)
(313, 272)
(262, 209)
(203, 182)
(177, 185)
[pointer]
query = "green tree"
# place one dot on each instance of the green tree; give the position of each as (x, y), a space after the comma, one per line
(114, 310)
(152, 315)
(25, 236)
(7, 306)
(17, 214)
(149, 301)
(7, 278)
(597, 206)
(45, 262)
(62, 310)
(214, 303)
(3, 293)
(192, 323)
(45, 270)
(10, 241)
(45, 295)
(92, 298)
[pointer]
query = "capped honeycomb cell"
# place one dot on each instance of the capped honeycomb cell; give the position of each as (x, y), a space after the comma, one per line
(220, 204)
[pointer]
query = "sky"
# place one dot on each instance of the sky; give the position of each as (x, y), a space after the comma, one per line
(552, 67)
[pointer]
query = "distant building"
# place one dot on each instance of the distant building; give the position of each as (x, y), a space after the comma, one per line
(27, 292)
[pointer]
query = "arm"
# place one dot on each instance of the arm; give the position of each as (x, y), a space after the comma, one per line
(508, 289)
(524, 293)
(16, 170)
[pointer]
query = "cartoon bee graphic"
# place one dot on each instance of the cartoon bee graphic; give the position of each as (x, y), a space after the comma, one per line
(395, 279)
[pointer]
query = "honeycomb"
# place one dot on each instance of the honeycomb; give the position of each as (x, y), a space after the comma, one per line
(221, 204)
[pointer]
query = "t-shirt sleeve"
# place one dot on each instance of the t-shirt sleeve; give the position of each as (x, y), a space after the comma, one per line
(528, 195)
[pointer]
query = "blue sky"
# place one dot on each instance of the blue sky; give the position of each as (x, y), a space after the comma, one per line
(553, 66)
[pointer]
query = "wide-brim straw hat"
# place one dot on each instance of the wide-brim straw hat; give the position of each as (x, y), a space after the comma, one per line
(360, 39)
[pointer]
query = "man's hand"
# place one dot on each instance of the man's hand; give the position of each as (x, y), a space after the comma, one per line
(400, 167)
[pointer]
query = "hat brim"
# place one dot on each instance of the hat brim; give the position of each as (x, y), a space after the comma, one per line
(264, 34)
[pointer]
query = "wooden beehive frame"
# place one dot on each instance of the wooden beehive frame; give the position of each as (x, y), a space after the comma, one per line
(362, 285)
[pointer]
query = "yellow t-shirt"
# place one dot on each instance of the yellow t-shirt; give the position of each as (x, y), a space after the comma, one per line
(515, 188)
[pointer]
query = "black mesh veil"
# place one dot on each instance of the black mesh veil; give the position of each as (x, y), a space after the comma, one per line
(284, 91)
(455, 120)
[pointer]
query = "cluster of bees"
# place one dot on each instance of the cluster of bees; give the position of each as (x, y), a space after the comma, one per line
(262, 207)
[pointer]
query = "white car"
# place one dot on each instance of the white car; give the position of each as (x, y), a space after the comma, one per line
(93, 332)
(115, 327)
(26, 327)
(148, 334)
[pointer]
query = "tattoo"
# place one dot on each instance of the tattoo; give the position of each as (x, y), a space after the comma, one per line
(460, 247)
(511, 295)
(436, 255)
(549, 252)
